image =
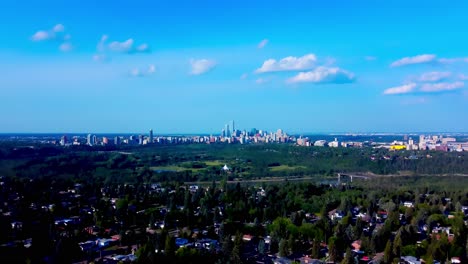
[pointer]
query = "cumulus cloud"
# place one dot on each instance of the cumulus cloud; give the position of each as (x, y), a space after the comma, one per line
(288, 64)
(441, 87)
(58, 28)
(404, 89)
(434, 76)
(453, 60)
(126, 46)
(262, 44)
(54, 33)
(137, 72)
(261, 81)
(100, 58)
(463, 77)
(201, 66)
(41, 35)
(419, 59)
(143, 48)
(66, 47)
(57, 32)
(101, 46)
(324, 75)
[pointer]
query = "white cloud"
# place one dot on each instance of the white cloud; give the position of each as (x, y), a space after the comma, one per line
(50, 34)
(324, 75)
(58, 28)
(201, 66)
(244, 76)
(143, 48)
(370, 58)
(453, 60)
(124, 46)
(101, 46)
(66, 47)
(441, 87)
(463, 77)
(288, 64)
(262, 44)
(41, 35)
(136, 72)
(55, 33)
(406, 88)
(261, 81)
(434, 76)
(100, 58)
(151, 69)
(424, 58)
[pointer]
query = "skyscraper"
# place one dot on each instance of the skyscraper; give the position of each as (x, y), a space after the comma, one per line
(89, 140)
(233, 128)
(150, 136)
(227, 131)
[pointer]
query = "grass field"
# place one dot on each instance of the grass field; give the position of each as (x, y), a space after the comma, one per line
(214, 163)
(286, 168)
(169, 168)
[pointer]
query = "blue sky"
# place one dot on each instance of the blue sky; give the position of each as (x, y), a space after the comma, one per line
(188, 67)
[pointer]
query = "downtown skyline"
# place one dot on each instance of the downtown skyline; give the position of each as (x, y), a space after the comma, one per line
(182, 67)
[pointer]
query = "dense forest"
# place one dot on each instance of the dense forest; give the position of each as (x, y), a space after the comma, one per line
(204, 162)
(176, 204)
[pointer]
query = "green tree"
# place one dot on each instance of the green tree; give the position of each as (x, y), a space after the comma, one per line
(169, 246)
(397, 243)
(388, 257)
(348, 259)
(283, 248)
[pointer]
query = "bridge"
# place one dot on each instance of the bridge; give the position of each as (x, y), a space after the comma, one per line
(350, 176)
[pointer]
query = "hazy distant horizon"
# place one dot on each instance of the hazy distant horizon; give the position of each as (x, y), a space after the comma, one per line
(218, 133)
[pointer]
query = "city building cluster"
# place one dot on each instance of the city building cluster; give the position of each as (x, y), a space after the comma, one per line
(230, 135)
(437, 143)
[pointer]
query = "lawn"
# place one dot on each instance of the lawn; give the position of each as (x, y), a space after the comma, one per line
(285, 168)
(214, 163)
(169, 168)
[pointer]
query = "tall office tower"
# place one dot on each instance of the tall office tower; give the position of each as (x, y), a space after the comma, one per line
(227, 131)
(233, 128)
(94, 140)
(140, 139)
(63, 140)
(89, 140)
(117, 140)
(223, 133)
(151, 136)
(421, 139)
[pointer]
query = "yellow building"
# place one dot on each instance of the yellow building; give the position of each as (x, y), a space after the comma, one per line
(397, 147)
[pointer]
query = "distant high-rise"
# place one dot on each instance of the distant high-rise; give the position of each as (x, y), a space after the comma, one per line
(233, 132)
(63, 140)
(91, 140)
(117, 140)
(227, 131)
(151, 136)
